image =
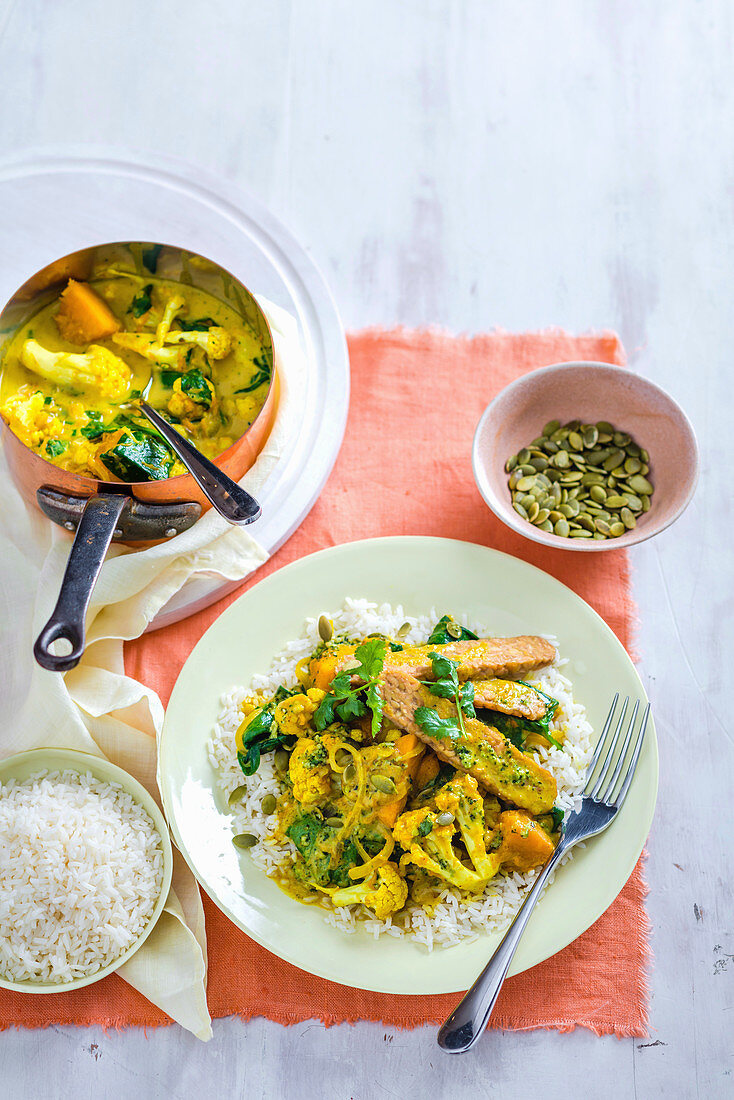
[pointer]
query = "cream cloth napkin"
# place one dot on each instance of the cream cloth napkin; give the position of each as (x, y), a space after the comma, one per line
(97, 708)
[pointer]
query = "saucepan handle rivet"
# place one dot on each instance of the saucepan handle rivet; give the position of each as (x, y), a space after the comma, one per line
(170, 532)
(69, 525)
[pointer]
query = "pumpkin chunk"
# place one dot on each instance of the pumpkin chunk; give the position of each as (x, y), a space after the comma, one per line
(82, 315)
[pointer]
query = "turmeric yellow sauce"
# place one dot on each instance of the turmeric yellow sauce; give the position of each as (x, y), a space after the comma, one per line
(67, 370)
(377, 815)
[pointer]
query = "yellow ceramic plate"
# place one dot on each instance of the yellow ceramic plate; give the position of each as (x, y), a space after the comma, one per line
(511, 597)
(25, 764)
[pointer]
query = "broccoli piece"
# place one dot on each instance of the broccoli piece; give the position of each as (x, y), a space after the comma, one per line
(97, 369)
(385, 892)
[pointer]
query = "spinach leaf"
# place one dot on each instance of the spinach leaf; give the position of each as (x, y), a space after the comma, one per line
(203, 324)
(262, 374)
(139, 457)
(448, 630)
(55, 447)
(195, 385)
(516, 729)
(425, 827)
(141, 302)
(150, 257)
(315, 841)
(168, 377)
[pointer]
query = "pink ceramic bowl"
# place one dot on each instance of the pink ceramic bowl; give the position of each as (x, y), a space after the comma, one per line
(588, 392)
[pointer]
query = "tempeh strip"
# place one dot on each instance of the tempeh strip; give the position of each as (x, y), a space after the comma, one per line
(510, 697)
(483, 752)
(480, 659)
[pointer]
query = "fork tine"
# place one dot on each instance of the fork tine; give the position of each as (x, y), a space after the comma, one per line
(606, 796)
(602, 738)
(633, 762)
(610, 754)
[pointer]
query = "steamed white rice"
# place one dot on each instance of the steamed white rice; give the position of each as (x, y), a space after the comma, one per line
(454, 919)
(81, 870)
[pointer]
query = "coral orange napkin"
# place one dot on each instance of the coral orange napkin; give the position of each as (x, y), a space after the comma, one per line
(405, 468)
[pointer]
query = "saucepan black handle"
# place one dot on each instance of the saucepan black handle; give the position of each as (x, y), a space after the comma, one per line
(93, 537)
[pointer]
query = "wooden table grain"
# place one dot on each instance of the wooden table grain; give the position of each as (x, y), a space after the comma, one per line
(470, 164)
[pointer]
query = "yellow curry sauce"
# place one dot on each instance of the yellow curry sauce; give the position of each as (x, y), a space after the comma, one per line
(60, 391)
(384, 814)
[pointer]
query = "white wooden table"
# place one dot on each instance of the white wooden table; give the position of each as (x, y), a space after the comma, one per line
(467, 164)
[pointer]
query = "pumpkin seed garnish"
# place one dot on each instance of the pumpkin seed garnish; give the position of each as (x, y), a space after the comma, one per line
(244, 840)
(383, 784)
(237, 795)
(578, 480)
(326, 628)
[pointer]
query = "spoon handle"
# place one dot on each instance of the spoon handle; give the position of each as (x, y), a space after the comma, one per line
(229, 499)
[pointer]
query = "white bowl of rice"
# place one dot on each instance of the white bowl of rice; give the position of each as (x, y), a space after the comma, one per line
(85, 869)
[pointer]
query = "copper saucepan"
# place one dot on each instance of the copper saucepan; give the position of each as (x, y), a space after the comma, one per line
(134, 513)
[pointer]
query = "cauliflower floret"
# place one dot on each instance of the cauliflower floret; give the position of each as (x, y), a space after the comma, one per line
(427, 836)
(385, 892)
(192, 403)
(216, 341)
(174, 306)
(309, 772)
(30, 418)
(98, 368)
(146, 344)
(293, 715)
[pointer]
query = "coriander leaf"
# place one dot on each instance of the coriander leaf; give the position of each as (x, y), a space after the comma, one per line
(150, 257)
(466, 699)
(371, 657)
(141, 302)
(434, 726)
(341, 685)
(444, 668)
(352, 707)
(425, 827)
(444, 689)
(55, 447)
(375, 703)
(324, 713)
(558, 816)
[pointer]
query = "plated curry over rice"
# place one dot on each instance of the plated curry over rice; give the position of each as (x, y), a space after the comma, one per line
(405, 769)
(70, 367)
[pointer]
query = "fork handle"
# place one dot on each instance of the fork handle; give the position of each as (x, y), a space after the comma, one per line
(469, 1019)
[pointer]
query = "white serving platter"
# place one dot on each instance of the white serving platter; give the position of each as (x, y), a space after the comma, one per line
(55, 201)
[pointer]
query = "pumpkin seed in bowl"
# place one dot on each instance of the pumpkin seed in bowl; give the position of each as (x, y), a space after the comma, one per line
(581, 480)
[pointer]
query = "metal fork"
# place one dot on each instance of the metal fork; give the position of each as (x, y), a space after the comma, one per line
(603, 798)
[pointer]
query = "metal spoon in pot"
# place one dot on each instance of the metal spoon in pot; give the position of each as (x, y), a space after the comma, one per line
(229, 499)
